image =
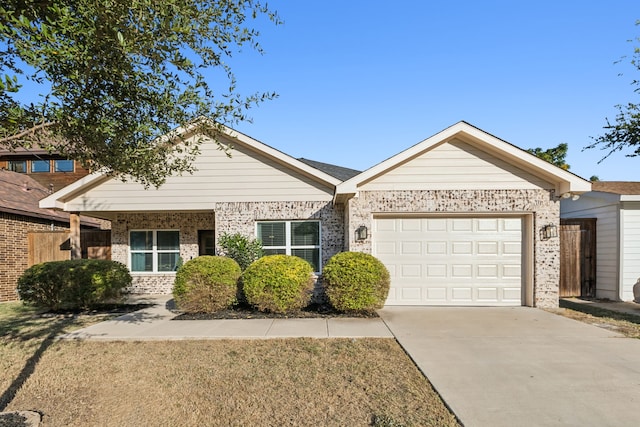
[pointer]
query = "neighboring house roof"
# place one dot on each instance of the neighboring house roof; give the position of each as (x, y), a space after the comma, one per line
(616, 187)
(563, 181)
(20, 195)
(339, 172)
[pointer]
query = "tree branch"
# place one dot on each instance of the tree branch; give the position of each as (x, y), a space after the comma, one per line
(26, 132)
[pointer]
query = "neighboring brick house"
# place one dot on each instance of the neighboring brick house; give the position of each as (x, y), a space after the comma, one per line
(52, 171)
(19, 215)
(461, 218)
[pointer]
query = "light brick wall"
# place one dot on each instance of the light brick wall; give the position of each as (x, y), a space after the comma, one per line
(187, 223)
(542, 204)
(228, 218)
(14, 248)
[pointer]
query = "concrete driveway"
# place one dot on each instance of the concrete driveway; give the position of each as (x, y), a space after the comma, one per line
(522, 366)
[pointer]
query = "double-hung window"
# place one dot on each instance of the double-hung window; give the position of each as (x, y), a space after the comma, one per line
(299, 238)
(154, 251)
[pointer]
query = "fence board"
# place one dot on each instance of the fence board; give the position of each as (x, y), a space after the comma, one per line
(47, 246)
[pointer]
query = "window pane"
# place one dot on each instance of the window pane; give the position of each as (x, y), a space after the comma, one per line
(63, 166)
(141, 240)
(305, 233)
(312, 256)
(272, 233)
(168, 240)
(19, 166)
(142, 262)
(275, 251)
(40, 166)
(167, 261)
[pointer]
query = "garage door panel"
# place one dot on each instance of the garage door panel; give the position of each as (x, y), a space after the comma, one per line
(436, 224)
(436, 294)
(461, 224)
(451, 261)
(411, 271)
(411, 248)
(462, 248)
(436, 248)
(460, 294)
(436, 271)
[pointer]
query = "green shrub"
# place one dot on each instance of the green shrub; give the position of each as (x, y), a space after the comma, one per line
(356, 281)
(206, 284)
(73, 284)
(244, 250)
(278, 283)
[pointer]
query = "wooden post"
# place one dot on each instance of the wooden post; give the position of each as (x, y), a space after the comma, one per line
(74, 239)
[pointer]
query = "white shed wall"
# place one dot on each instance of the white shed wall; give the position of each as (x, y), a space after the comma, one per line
(630, 249)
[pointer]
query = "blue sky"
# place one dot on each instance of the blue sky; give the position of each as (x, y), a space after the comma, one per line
(360, 81)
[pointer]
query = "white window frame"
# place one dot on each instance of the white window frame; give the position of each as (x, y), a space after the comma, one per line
(288, 247)
(154, 251)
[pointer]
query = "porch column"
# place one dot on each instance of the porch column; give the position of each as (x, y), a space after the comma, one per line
(74, 238)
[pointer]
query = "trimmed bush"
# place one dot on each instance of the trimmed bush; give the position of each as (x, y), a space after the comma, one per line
(356, 281)
(74, 284)
(278, 283)
(244, 250)
(206, 284)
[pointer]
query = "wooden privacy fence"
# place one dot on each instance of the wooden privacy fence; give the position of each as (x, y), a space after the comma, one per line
(43, 246)
(578, 257)
(46, 246)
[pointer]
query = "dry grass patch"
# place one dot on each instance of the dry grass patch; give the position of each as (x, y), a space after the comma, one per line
(229, 382)
(626, 324)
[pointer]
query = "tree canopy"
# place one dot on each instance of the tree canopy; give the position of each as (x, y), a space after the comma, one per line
(116, 76)
(624, 132)
(555, 156)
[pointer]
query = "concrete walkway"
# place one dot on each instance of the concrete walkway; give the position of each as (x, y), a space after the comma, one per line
(154, 323)
(522, 366)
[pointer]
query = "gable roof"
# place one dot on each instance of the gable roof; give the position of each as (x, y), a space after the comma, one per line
(564, 181)
(233, 137)
(20, 195)
(339, 172)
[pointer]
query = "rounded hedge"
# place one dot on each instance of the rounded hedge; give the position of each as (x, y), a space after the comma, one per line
(356, 281)
(73, 284)
(206, 284)
(278, 283)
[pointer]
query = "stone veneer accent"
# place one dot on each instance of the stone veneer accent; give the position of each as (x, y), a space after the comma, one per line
(238, 217)
(542, 204)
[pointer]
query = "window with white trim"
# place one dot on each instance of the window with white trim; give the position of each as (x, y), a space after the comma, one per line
(299, 238)
(154, 251)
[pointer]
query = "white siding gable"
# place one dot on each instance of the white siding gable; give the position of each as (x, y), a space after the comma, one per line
(455, 165)
(246, 176)
(630, 248)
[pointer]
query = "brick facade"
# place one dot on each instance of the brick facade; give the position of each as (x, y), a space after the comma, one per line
(227, 218)
(541, 204)
(14, 248)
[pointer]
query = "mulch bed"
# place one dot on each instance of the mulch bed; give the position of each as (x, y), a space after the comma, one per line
(247, 312)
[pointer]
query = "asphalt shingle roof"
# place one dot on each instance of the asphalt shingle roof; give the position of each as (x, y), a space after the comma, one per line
(20, 195)
(616, 187)
(339, 172)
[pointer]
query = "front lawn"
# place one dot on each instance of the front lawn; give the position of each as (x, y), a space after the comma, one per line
(303, 381)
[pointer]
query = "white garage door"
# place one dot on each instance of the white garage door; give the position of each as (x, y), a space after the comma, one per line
(451, 261)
